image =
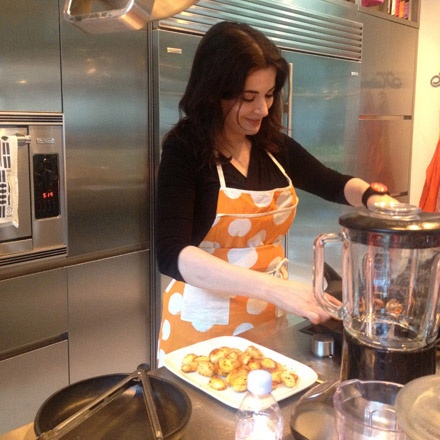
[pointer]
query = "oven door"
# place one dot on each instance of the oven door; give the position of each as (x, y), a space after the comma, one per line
(18, 238)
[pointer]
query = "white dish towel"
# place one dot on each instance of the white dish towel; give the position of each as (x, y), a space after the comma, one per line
(8, 181)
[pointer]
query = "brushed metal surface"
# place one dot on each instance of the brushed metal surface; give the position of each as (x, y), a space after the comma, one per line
(101, 16)
(386, 103)
(106, 110)
(109, 315)
(30, 73)
(26, 381)
(319, 27)
(324, 119)
(32, 308)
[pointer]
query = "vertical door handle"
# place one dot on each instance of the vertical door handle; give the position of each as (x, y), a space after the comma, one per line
(288, 102)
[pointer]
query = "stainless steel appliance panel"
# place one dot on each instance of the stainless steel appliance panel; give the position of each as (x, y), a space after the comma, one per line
(387, 99)
(106, 114)
(30, 71)
(385, 146)
(388, 67)
(33, 310)
(26, 381)
(323, 118)
(173, 53)
(313, 26)
(48, 231)
(109, 315)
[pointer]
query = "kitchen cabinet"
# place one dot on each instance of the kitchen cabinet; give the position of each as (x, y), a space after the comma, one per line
(109, 325)
(33, 311)
(67, 324)
(405, 12)
(27, 380)
(33, 343)
(30, 69)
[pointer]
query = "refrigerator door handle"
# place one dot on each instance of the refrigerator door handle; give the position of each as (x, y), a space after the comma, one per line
(288, 102)
(288, 112)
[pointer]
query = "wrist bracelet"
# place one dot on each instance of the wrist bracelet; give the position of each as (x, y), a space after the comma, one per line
(375, 188)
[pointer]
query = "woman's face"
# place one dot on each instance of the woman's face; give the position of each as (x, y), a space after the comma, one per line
(243, 116)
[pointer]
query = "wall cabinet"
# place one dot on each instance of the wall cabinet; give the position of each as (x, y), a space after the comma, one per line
(403, 11)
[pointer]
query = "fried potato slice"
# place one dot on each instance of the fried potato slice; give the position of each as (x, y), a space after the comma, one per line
(217, 383)
(227, 364)
(254, 364)
(216, 354)
(237, 379)
(254, 352)
(187, 359)
(289, 379)
(268, 364)
(205, 368)
(189, 367)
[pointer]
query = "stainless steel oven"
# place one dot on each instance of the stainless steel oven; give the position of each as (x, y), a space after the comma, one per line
(33, 223)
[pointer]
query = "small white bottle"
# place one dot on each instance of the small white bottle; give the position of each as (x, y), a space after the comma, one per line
(259, 416)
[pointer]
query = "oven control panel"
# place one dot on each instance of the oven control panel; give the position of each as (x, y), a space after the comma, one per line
(46, 185)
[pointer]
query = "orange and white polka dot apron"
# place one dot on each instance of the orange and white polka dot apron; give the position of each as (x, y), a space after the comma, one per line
(248, 231)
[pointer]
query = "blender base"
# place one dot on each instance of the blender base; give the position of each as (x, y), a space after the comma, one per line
(360, 361)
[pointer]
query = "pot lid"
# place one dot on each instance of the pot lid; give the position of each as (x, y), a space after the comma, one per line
(418, 408)
(395, 218)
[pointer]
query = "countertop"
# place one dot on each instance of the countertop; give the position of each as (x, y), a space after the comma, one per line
(212, 419)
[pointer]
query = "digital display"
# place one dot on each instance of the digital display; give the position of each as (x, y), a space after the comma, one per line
(46, 185)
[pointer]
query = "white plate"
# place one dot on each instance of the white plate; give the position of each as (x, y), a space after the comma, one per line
(173, 361)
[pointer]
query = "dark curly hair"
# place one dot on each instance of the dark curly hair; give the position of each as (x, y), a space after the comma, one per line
(226, 55)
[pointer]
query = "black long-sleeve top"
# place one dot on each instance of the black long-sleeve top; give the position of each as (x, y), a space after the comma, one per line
(187, 192)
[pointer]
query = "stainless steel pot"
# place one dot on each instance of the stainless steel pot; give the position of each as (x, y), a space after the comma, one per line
(104, 16)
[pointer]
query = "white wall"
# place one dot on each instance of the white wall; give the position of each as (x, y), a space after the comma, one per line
(427, 99)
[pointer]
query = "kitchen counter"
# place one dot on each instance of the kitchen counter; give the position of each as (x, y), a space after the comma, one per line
(212, 419)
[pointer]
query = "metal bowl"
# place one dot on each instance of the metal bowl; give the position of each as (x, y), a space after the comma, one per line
(124, 418)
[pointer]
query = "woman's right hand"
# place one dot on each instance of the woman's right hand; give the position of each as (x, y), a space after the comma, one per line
(206, 271)
(298, 298)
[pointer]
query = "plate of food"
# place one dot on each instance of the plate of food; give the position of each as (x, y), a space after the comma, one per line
(219, 367)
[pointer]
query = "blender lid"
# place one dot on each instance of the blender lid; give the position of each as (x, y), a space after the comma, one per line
(418, 408)
(395, 218)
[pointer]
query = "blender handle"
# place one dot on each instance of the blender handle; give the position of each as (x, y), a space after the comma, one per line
(318, 273)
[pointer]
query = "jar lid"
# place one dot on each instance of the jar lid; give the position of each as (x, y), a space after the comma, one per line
(418, 408)
(407, 224)
(259, 382)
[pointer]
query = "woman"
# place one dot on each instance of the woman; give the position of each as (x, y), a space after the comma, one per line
(226, 194)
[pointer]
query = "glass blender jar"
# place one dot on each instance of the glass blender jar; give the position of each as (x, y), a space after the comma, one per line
(390, 291)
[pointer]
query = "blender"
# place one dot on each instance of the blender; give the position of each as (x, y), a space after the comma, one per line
(390, 291)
